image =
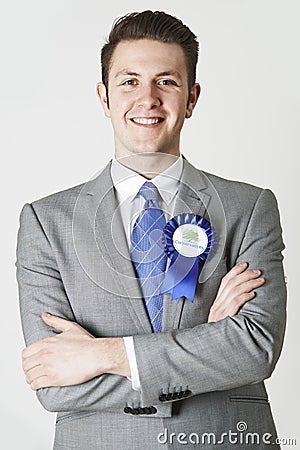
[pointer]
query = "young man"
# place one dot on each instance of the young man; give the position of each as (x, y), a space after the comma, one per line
(131, 364)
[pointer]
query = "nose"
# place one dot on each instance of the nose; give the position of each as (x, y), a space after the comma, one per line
(148, 97)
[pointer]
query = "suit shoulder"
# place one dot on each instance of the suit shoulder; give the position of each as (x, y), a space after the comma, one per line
(53, 212)
(240, 197)
(221, 182)
(67, 198)
(233, 189)
(64, 197)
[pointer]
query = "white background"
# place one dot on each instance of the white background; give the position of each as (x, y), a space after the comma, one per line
(54, 135)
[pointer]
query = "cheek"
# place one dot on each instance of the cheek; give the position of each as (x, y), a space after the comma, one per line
(178, 110)
(121, 104)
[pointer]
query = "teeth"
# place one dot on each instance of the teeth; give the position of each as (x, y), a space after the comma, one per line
(144, 121)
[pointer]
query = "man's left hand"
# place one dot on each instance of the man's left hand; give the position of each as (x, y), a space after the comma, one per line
(72, 357)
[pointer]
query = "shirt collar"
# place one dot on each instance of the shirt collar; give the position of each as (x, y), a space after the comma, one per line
(128, 183)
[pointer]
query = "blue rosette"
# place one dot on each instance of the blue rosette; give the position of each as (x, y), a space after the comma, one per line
(188, 242)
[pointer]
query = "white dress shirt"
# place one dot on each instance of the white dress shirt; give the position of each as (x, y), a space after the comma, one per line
(127, 184)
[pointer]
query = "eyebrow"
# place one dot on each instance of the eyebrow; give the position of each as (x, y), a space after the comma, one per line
(167, 73)
(161, 74)
(127, 72)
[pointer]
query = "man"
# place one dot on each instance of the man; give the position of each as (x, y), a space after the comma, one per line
(124, 362)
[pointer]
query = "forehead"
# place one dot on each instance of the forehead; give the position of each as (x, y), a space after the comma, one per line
(145, 56)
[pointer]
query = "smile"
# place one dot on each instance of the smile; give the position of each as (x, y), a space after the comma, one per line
(147, 121)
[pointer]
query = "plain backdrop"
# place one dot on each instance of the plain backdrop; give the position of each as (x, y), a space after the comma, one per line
(54, 135)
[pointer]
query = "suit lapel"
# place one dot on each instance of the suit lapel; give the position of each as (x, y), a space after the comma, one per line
(112, 243)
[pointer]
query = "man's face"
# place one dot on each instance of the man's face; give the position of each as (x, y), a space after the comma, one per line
(148, 97)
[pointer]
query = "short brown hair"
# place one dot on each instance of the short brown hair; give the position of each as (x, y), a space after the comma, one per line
(155, 25)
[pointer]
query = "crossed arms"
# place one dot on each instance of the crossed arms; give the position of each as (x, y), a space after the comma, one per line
(75, 356)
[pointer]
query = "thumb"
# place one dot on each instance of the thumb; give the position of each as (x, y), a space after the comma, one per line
(57, 322)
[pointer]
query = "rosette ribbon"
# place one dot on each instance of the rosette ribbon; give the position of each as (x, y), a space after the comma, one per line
(181, 277)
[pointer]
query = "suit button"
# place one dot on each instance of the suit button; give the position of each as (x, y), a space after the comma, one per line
(136, 411)
(180, 394)
(153, 409)
(186, 393)
(162, 397)
(141, 410)
(169, 396)
(174, 395)
(128, 410)
(147, 410)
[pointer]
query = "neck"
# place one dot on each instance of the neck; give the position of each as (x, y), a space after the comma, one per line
(149, 165)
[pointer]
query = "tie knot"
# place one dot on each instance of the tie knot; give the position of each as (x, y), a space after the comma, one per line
(149, 191)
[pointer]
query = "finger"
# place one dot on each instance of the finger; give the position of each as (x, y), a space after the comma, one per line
(44, 379)
(41, 382)
(57, 322)
(238, 302)
(221, 311)
(248, 286)
(239, 280)
(250, 274)
(32, 349)
(34, 373)
(230, 293)
(236, 270)
(240, 295)
(31, 361)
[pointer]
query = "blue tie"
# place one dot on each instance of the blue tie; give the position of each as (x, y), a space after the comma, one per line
(148, 254)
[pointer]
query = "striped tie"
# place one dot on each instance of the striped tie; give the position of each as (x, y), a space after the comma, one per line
(148, 254)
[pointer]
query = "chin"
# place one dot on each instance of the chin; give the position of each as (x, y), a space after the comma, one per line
(147, 150)
(149, 147)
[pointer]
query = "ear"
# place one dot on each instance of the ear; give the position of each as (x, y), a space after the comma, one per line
(194, 95)
(102, 94)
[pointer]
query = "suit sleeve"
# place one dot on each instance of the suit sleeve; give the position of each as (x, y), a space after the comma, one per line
(41, 289)
(237, 350)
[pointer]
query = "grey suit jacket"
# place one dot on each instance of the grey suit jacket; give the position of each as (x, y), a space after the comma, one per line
(198, 380)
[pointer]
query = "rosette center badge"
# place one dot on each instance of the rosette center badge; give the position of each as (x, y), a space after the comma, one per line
(190, 240)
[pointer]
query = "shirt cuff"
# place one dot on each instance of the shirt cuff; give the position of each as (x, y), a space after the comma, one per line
(135, 379)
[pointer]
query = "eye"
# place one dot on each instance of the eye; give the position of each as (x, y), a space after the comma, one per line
(166, 82)
(129, 83)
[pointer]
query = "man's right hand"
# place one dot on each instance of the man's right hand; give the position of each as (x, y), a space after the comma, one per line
(235, 290)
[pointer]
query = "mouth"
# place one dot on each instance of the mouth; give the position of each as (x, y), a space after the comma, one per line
(147, 121)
